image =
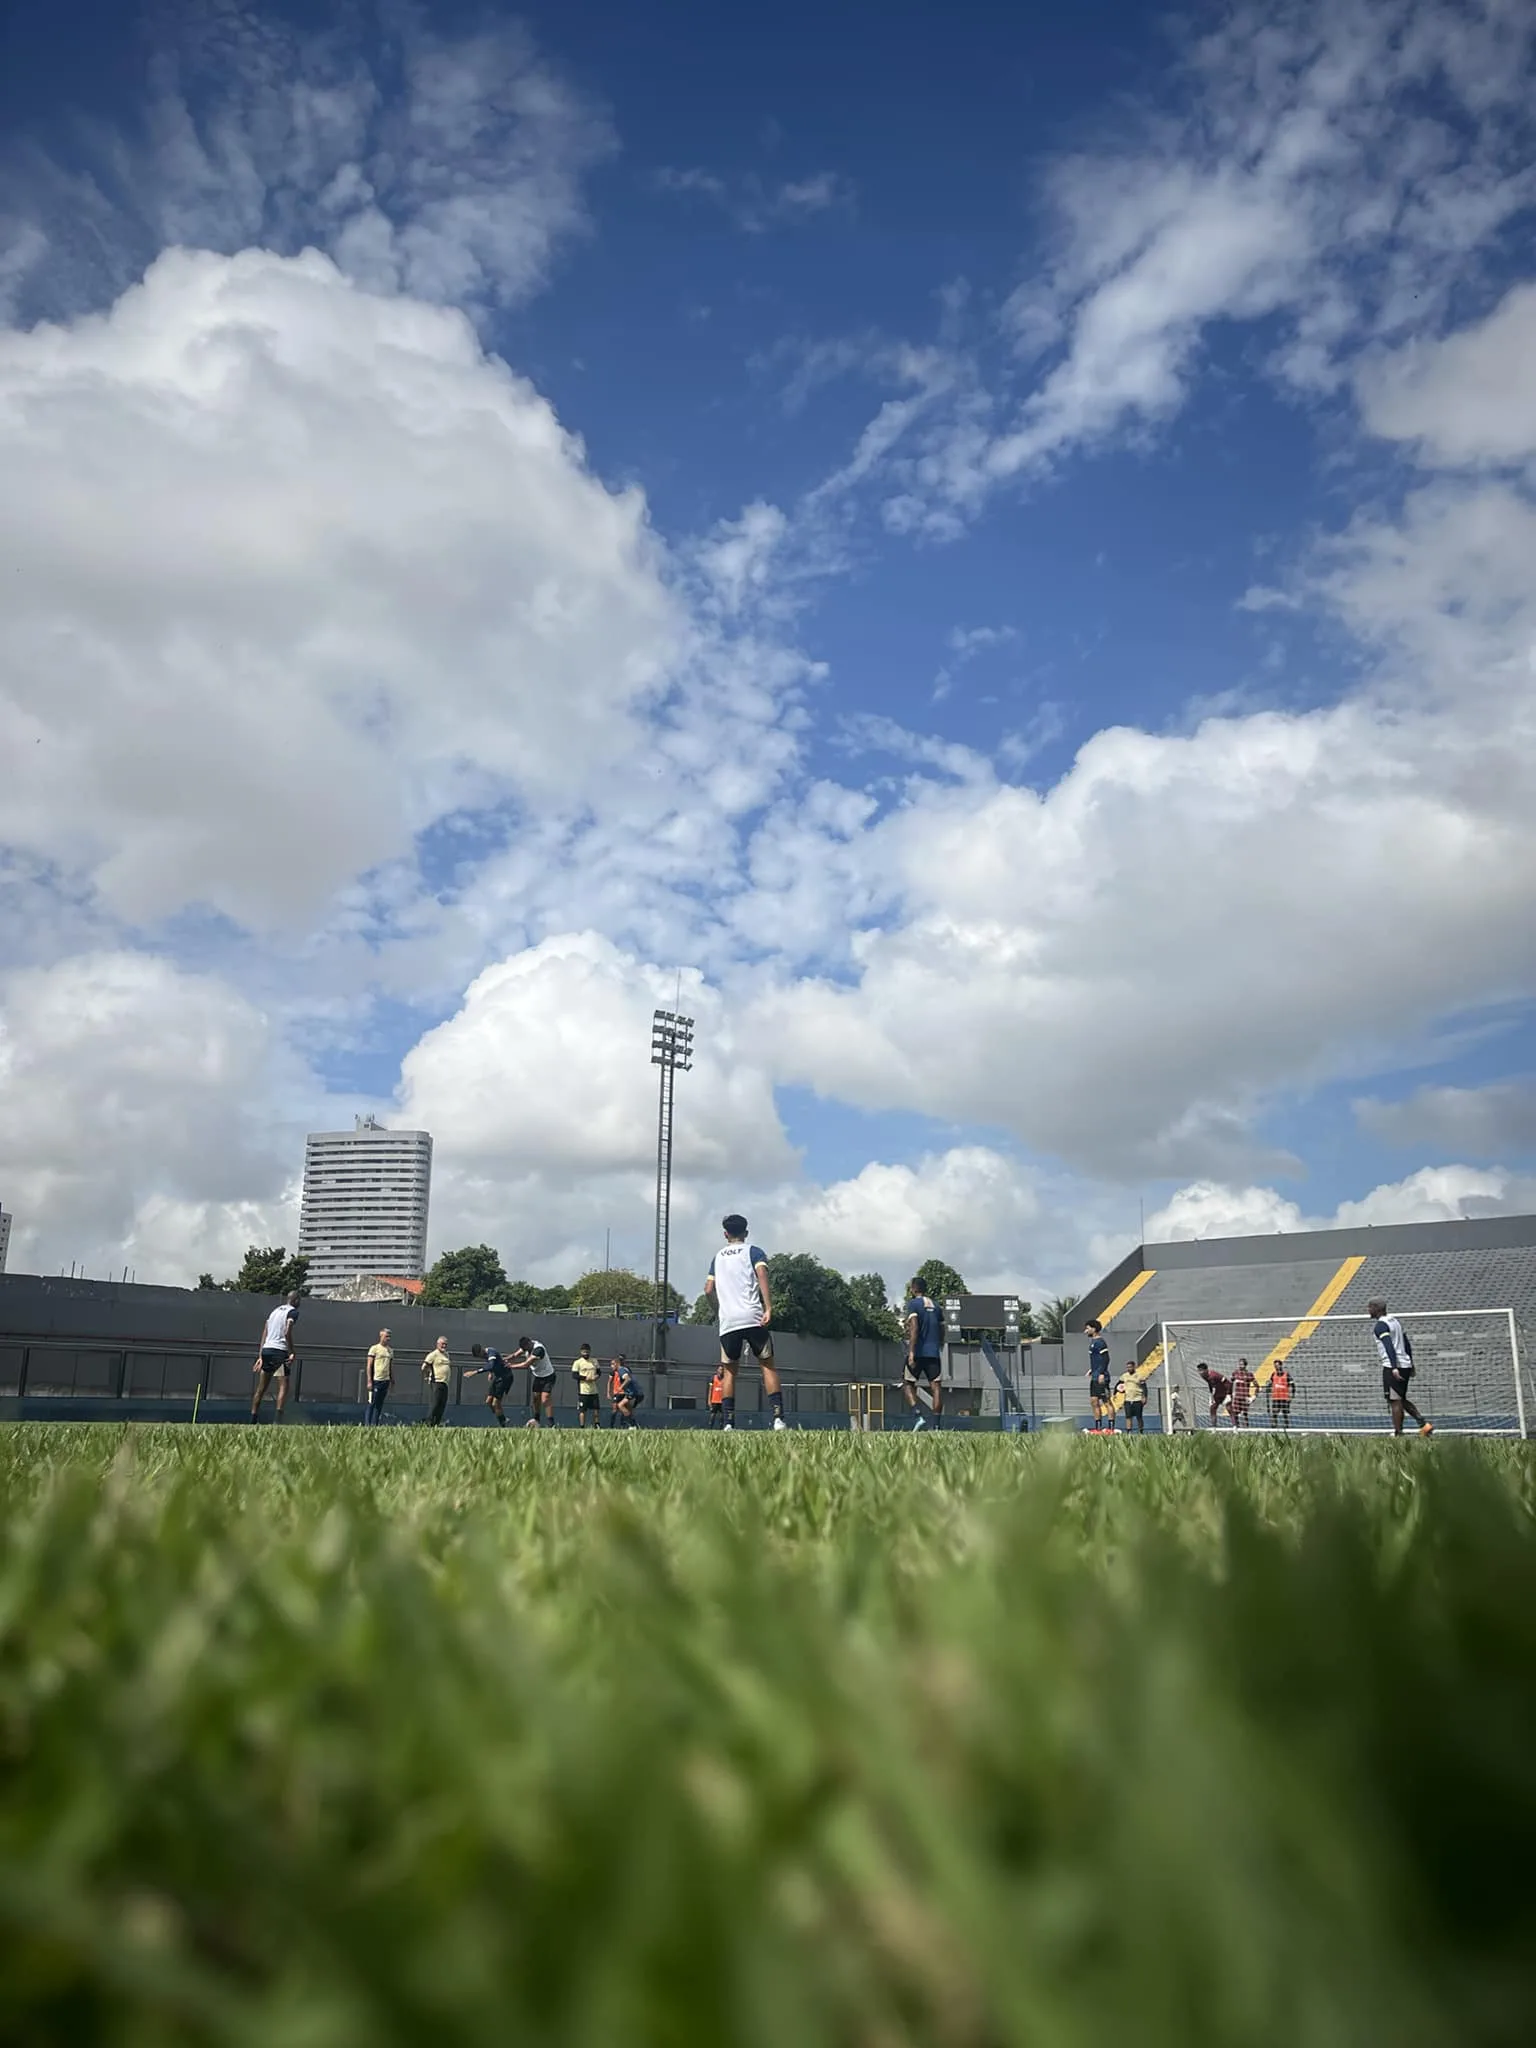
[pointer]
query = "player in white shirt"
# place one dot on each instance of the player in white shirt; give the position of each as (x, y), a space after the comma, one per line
(1395, 1347)
(541, 1381)
(275, 1361)
(738, 1280)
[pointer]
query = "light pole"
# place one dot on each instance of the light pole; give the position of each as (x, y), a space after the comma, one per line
(671, 1050)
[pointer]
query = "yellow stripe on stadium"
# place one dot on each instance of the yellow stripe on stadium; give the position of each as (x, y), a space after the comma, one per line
(1125, 1296)
(1307, 1327)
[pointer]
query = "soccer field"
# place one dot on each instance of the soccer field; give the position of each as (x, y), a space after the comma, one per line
(341, 1737)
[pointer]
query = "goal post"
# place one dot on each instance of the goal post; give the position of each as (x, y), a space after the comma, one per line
(1467, 1376)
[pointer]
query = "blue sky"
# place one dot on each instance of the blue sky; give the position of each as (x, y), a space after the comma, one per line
(999, 548)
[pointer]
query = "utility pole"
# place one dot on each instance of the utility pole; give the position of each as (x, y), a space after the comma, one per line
(671, 1051)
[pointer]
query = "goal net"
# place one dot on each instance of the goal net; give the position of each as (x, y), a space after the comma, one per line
(1467, 1373)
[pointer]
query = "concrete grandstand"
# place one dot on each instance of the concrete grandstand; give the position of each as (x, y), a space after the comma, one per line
(1305, 1279)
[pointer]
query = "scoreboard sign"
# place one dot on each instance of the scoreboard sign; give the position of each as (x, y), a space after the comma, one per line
(982, 1312)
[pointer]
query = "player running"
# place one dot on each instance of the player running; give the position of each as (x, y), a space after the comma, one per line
(584, 1365)
(1132, 1391)
(498, 1379)
(1396, 1349)
(923, 1325)
(541, 1380)
(275, 1358)
(1099, 1378)
(1282, 1391)
(1221, 1391)
(381, 1366)
(738, 1280)
(1243, 1384)
(624, 1390)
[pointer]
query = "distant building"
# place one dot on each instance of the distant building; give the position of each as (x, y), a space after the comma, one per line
(5, 1236)
(365, 1205)
(376, 1287)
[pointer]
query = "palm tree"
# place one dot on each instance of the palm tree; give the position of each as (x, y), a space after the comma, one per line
(1052, 1317)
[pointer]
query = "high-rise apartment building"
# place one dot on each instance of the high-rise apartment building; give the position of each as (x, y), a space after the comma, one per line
(5, 1237)
(365, 1203)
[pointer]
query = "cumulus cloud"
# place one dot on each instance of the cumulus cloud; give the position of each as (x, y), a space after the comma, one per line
(1435, 1194)
(1482, 1123)
(448, 167)
(141, 1117)
(295, 570)
(1469, 398)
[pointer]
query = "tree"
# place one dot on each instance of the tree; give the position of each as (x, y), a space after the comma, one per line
(525, 1295)
(940, 1281)
(1053, 1317)
(873, 1304)
(615, 1287)
(265, 1269)
(810, 1299)
(705, 1310)
(467, 1278)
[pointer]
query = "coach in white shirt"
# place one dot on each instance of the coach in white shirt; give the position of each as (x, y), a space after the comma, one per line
(276, 1359)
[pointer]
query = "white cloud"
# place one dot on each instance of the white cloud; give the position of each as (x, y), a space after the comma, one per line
(1488, 1122)
(1470, 398)
(140, 1118)
(756, 204)
(294, 570)
(446, 167)
(1435, 1194)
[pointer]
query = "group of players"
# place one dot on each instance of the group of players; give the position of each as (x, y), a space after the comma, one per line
(1232, 1393)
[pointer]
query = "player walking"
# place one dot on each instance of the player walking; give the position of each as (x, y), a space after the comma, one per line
(1396, 1349)
(498, 1379)
(716, 1402)
(541, 1380)
(924, 1327)
(738, 1279)
(381, 1365)
(1243, 1384)
(1099, 1377)
(437, 1370)
(584, 1365)
(275, 1359)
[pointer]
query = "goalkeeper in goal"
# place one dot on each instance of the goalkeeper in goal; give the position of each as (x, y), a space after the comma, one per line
(1396, 1349)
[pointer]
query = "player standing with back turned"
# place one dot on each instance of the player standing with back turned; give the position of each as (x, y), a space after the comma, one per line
(738, 1279)
(1396, 1349)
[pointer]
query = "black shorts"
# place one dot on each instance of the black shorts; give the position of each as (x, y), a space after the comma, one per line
(1098, 1393)
(498, 1385)
(1133, 1409)
(586, 1401)
(273, 1362)
(1394, 1381)
(758, 1341)
(542, 1383)
(928, 1369)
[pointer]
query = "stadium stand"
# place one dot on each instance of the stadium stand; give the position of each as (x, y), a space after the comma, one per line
(1482, 1263)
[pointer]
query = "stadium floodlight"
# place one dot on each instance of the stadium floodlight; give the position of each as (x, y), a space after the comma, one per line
(672, 1052)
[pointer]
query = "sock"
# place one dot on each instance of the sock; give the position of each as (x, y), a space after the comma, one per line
(935, 1419)
(728, 1410)
(776, 1403)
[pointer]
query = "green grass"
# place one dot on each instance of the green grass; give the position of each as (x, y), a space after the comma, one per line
(342, 1737)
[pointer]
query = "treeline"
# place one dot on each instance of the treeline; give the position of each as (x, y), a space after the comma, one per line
(810, 1299)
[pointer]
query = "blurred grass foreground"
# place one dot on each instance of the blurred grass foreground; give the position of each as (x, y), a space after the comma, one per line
(343, 1737)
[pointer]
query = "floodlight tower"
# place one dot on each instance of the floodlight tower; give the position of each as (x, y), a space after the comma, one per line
(671, 1051)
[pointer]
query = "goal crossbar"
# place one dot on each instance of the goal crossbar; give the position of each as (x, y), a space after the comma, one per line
(1479, 1381)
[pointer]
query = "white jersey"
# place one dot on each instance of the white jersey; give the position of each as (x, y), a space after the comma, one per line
(734, 1272)
(1393, 1343)
(275, 1336)
(539, 1363)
